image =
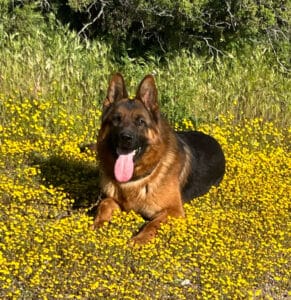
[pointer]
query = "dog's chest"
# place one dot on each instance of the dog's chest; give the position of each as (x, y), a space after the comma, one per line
(140, 199)
(146, 197)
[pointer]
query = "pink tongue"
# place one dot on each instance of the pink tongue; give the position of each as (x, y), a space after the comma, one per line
(123, 168)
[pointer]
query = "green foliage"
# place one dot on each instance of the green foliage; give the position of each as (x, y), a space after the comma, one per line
(60, 66)
(23, 21)
(46, 59)
(139, 26)
(164, 26)
(79, 5)
(55, 64)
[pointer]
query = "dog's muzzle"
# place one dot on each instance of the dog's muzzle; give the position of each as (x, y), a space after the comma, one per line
(126, 141)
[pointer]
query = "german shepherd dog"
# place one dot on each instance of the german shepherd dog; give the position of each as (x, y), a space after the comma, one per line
(145, 165)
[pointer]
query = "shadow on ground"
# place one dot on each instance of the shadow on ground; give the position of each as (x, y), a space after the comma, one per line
(79, 180)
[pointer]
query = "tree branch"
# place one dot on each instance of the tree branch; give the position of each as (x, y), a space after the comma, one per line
(103, 4)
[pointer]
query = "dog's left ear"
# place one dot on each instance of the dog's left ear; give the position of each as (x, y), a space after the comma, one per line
(148, 93)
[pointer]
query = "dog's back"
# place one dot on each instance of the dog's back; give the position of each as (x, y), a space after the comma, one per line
(207, 163)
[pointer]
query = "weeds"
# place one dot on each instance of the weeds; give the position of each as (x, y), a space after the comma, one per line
(59, 66)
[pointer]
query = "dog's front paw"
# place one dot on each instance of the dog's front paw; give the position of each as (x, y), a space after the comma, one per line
(141, 239)
(97, 224)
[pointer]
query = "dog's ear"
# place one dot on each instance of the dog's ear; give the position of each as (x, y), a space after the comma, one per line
(116, 90)
(148, 93)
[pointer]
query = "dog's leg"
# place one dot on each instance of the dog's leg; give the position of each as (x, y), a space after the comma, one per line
(149, 231)
(105, 211)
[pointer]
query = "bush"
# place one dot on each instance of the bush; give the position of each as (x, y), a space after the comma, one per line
(206, 26)
(163, 25)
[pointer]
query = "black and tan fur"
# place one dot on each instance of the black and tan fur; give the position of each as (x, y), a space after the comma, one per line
(169, 167)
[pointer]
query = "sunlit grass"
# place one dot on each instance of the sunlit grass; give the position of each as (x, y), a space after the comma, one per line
(233, 244)
(59, 65)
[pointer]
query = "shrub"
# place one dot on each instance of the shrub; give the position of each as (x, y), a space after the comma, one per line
(164, 26)
(205, 26)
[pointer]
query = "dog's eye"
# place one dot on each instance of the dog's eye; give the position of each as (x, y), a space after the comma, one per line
(116, 119)
(140, 122)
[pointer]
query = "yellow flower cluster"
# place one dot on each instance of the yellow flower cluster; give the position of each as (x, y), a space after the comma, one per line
(233, 244)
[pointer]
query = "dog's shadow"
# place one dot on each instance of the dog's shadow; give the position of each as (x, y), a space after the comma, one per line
(79, 180)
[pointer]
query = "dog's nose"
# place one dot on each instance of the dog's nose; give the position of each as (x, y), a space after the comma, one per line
(126, 137)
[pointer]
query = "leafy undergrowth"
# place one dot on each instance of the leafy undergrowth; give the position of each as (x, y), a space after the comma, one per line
(233, 244)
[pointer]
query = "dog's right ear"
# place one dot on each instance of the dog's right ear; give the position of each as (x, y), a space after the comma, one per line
(116, 90)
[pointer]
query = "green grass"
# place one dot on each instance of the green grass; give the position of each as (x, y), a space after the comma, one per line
(61, 67)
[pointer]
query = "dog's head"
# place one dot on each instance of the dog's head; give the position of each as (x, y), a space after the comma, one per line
(129, 126)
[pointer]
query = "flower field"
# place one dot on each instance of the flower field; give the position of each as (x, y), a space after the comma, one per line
(233, 244)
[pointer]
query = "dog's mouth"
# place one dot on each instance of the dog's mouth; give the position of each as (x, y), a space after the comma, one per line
(124, 164)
